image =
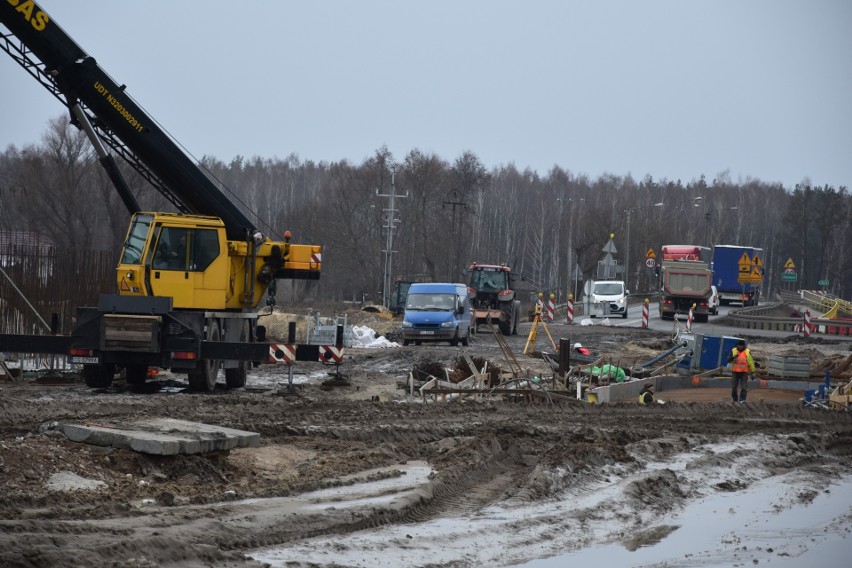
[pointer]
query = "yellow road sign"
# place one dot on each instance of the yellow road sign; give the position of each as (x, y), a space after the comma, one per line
(789, 263)
(756, 261)
(745, 260)
(752, 277)
(650, 253)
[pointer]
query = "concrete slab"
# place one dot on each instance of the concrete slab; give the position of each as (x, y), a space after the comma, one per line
(162, 436)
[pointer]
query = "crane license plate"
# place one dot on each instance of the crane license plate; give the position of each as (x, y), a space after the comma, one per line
(84, 360)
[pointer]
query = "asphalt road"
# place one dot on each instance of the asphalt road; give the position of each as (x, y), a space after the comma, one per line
(716, 325)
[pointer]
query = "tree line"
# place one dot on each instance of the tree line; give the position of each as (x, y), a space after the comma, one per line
(548, 228)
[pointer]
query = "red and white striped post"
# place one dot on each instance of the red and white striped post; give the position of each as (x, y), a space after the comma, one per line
(551, 307)
(689, 319)
(645, 313)
(807, 327)
(570, 308)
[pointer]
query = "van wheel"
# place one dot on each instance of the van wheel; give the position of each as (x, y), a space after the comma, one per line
(405, 342)
(455, 340)
(466, 340)
(624, 315)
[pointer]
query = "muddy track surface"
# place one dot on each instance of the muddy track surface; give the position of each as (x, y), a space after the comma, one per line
(344, 477)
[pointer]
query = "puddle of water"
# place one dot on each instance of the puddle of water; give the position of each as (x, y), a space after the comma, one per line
(742, 528)
(722, 529)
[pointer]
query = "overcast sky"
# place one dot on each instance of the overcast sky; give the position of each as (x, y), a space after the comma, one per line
(674, 89)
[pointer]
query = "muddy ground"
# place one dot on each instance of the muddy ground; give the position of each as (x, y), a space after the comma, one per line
(360, 475)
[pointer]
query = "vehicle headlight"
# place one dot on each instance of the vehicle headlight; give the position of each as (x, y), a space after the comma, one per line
(622, 300)
(448, 324)
(407, 325)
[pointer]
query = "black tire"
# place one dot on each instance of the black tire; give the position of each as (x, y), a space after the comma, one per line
(517, 318)
(418, 343)
(466, 339)
(505, 327)
(204, 379)
(98, 376)
(236, 378)
(455, 340)
(624, 315)
(405, 342)
(135, 374)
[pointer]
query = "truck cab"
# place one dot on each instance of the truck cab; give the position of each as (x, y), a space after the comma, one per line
(437, 312)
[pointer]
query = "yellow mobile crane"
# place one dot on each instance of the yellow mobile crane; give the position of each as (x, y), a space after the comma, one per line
(188, 283)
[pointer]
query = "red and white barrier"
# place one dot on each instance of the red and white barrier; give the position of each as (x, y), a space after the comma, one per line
(689, 319)
(807, 325)
(282, 353)
(570, 308)
(330, 354)
(645, 313)
(551, 307)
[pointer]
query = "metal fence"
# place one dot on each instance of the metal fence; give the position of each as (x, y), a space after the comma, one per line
(41, 285)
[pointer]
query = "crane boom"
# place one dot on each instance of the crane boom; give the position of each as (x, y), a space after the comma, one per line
(71, 74)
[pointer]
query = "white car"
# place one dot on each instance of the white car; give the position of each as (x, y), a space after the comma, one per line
(713, 302)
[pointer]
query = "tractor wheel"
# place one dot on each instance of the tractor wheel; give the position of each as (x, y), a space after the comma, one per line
(204, 380)
(505, 327)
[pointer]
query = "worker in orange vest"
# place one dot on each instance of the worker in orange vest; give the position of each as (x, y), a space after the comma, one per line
(742, 366)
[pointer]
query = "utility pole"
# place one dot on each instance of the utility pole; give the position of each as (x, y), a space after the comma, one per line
(453, 201)
(389, 226)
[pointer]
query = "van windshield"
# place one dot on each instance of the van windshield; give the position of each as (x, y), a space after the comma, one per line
(430, 302)
(609, 288)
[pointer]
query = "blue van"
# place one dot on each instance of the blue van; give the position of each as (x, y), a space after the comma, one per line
(437, 312)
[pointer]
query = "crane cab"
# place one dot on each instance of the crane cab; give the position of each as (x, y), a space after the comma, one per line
(184, 257)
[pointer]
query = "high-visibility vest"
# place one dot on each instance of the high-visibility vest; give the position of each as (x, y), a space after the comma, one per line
(740, 363)
(644, 398)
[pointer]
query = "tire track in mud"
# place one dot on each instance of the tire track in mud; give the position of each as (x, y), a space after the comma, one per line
(484, 453)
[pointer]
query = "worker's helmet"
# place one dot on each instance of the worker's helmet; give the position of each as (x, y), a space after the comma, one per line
(577, 345)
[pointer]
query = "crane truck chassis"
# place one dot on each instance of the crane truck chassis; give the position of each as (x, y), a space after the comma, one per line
(188, 283)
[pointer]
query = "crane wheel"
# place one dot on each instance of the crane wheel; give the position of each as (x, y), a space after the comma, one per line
(98, 376)
(236, 378)
(135, 374)
(204, 380)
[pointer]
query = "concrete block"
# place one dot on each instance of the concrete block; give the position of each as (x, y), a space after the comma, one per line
(162, 436)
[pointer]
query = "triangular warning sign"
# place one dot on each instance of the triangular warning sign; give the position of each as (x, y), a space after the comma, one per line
(756, 261)
(756, 276)
(745, 259)
(789, 263)
(650, 253)
(124, 286)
